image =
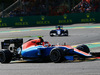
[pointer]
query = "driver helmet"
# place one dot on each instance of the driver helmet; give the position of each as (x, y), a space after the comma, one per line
(46, 44)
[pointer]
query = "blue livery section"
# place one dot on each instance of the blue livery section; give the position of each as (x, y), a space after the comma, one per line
(36, 51)
(30, 52)
(42, 51)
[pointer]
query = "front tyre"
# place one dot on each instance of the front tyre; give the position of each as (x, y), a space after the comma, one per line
(57, 55)
(5, 56)
(83, 48)
(53, 33)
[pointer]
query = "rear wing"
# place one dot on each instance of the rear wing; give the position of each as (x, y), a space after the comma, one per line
(6, 43)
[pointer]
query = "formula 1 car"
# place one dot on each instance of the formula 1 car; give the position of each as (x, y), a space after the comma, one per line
(40, 49)
(59, 31)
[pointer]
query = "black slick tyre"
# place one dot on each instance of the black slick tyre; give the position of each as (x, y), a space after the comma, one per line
(56, 55)
(5, 56)
(52, 33)
(66, 33)
(84, 48)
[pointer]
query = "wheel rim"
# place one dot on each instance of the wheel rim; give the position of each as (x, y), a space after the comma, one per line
(55, 56)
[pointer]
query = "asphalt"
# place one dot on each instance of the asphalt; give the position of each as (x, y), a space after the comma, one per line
(76, 36)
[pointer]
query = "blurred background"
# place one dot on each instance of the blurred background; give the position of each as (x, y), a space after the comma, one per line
(13, 8)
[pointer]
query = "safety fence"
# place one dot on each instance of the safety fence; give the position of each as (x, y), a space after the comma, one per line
(72, 18)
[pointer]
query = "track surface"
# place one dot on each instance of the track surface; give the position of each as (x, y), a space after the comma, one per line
(78, 35)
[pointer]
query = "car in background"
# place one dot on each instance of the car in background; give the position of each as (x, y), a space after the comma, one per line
(59, 31)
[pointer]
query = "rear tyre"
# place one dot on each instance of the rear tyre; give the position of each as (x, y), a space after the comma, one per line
(5, 56)
(57, 55)
(84, 48)
(66, 33)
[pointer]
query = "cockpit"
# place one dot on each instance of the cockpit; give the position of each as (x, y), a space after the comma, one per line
(59, 27)
(46, 44)
(35, 42)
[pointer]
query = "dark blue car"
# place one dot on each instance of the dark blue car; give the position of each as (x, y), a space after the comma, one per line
(59, 31)
(40, 49)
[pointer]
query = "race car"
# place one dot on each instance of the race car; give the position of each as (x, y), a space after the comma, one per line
(59, 31)
(41, 50)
